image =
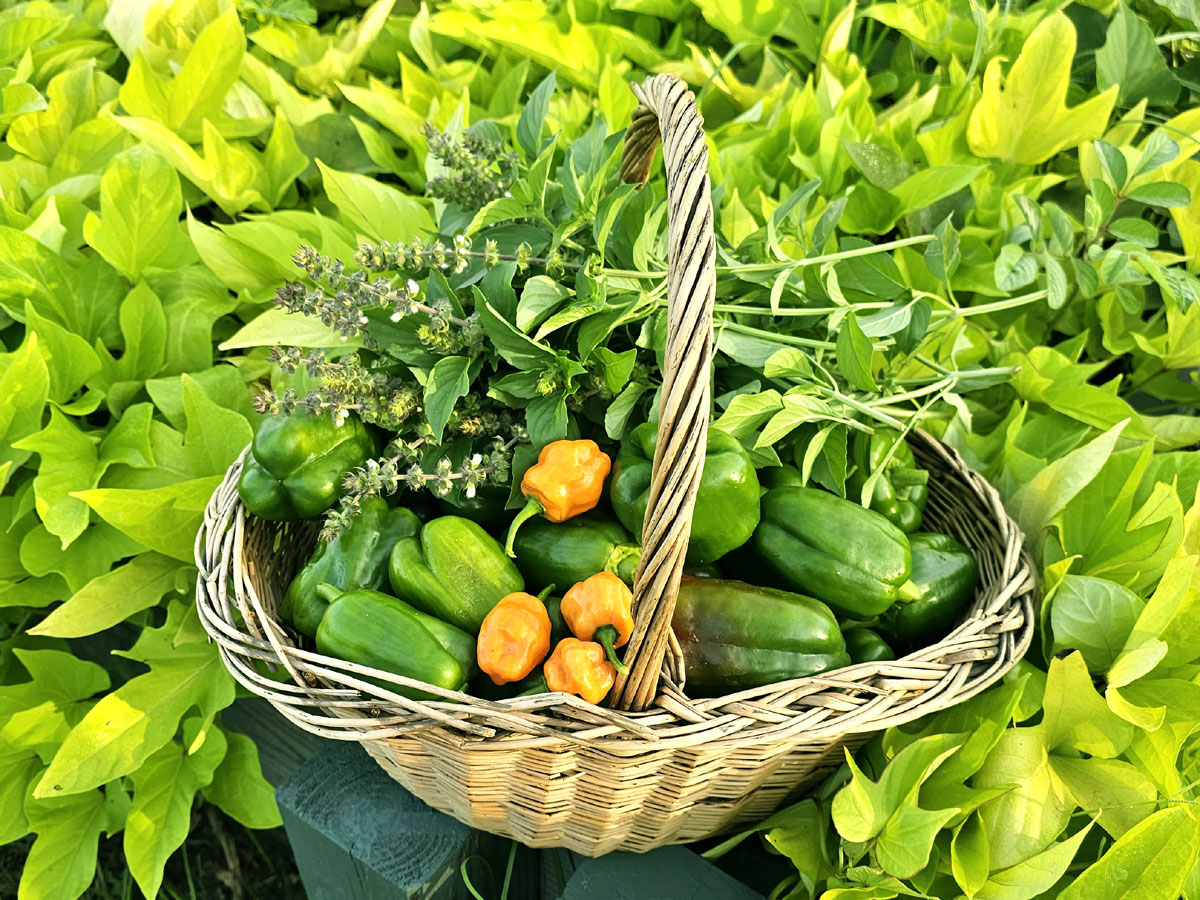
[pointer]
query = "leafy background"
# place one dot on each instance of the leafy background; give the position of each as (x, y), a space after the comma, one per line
(979, 216)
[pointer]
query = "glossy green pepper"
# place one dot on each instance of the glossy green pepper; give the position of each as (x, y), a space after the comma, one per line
(737, 635)
(565, 553)
(865, 645)
(297, 463)
(375, 629)
(726, 504)
(779, 476)
(453, 570)
(356, 558)
(849, 557)
(947, 574)
(485, 508)
(901, 491)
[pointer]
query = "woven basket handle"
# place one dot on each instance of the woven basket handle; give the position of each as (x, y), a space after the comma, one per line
(667, 106)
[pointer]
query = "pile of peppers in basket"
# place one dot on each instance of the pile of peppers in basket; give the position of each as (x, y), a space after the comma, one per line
(782, 580)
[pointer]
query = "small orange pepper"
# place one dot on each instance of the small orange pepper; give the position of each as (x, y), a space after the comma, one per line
(565, 481)
(599, 609)
(514, 638)
(579, 667)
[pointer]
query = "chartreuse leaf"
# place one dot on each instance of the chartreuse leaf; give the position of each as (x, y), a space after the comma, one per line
(1031, 877)
(969, 855)
(140, 202)
(164, 519)
(375, 209)
(1117, 793)
(1036, 808)
(24, 387)
(62, 861)
(16, 774)
(1076, 717)
(1149, 862)
(68, 464)
(126, 727)
(1027, 120)
(163, 792)
(238, 786)
(1093, 616)
(111, 598)
(215, 435)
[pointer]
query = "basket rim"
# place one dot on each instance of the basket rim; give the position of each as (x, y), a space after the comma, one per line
(331, 698)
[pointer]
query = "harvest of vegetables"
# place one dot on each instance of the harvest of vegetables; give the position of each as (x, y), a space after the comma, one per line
(940, 230)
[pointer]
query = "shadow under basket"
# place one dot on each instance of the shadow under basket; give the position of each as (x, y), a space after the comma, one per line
(658, 767)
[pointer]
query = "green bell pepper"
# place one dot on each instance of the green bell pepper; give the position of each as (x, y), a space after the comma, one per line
(485, 508)
(356, 558)
(947, 574)
(779, 476)
(566, 553)
(453, 570)
(297, 463)
(737, 635)
(849, 557)
(865, 645)
(726, 503)
(375, 629)
(901, 490)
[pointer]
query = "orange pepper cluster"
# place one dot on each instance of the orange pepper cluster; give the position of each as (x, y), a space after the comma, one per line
(515, 638)
(567, 480)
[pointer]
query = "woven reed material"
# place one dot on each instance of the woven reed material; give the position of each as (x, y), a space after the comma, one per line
(553, 770)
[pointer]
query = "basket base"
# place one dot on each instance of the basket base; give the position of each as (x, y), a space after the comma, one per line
(593, 802)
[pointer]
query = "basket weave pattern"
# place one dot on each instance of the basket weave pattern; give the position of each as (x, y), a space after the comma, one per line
(553, 770)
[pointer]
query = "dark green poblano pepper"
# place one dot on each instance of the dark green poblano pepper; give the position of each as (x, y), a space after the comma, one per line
(947, 574)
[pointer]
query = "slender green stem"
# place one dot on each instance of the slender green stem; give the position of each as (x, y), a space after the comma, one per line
(984, 308)
(789, 339)
(921, 392)
(794, 312)
(864, 408)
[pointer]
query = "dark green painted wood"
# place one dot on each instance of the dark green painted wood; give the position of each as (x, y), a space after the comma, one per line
(669, 873)
(358, 835)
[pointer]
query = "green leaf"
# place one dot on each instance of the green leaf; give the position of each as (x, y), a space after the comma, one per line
(448, 381)
(1149, 862)
(1039, 873)
(62, 861)
(70, 361)
(68, 464)
(125, 727)
(1131, 61)
(1093, 616)
(616, 417)
(1056, 283)
(1112, 161)
(111, 598)
(1137, 230)
(747, 413)
(282, 328)
(1027, 121)
(942, 255)
(144, 325)
(375, 209)
(517, 349)
(904, 844)
(533, 117)
(215, 435)
(1158, 150)
(540, 297)
(546, 418)
(238, 786)
(969, 855)
(854, 353)
(140, 202)
(1037, 502)
(1161, 193)
(164, 519)
(1014, 268)
(164, 788)
(1116, 792)
(1074, 716)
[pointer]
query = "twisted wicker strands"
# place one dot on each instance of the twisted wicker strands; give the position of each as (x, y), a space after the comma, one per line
(668, 105)
(552, 770)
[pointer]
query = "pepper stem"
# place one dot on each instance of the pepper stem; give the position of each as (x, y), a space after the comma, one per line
(532, 508)
(606, 636)
(623, 561)
(328, 592)
(546, 591)
(909, 592)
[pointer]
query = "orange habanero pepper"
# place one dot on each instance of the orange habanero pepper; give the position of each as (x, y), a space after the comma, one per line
(565, 481)
(579, 667)
(599, 609)
(514, 638)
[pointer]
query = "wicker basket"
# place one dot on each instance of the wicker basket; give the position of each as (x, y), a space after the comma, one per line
(654, 767)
